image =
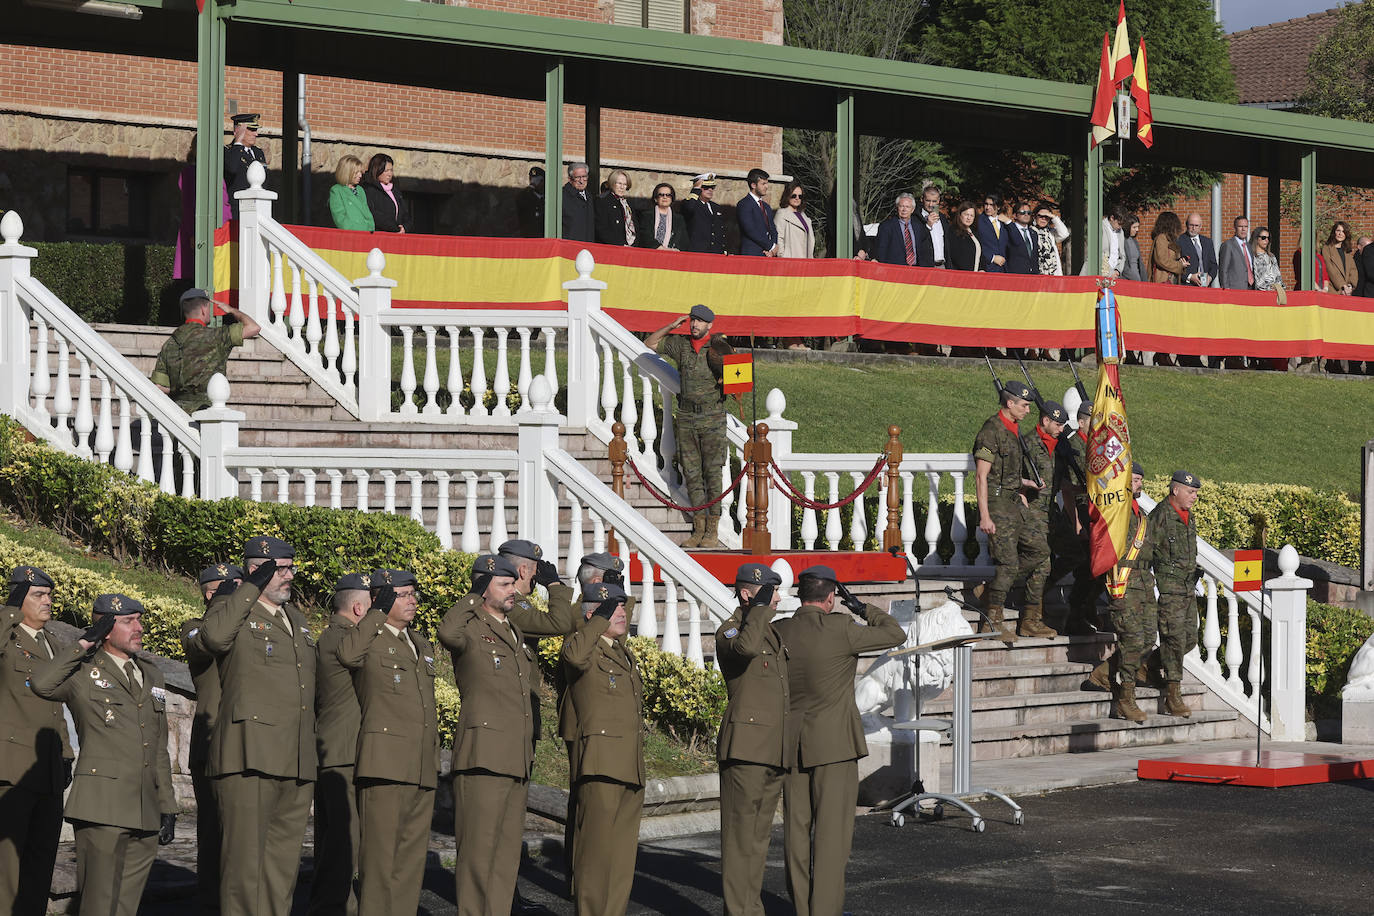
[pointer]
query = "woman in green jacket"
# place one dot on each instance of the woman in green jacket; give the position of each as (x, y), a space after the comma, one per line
(347, 203)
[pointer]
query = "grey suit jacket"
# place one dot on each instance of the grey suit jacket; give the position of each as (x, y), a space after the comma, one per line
(1234, 266)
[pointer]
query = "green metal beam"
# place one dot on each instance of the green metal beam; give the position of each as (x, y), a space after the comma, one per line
(846, 149)
(1308, 238)
(1092, 210)
(553, 148)
(289, 195)
(209, 137)
(591, 127)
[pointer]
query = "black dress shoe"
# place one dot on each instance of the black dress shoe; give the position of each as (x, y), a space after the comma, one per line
(522, 907)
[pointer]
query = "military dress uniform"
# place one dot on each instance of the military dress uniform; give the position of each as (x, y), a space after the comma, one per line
(337, 720)
(1134, 614)
(1035, 524)
(493, 750)
(237, 159)
(607, 695)
(263, 747)
(123, 777)
(820, 794)
(35, 757)
(699, 423)
(398, 759)
(757, 745)
(1174, 559)
(705, 223)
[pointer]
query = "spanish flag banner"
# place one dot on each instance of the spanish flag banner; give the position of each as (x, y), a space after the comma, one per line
(1249, 571)
(739, 373)
(1109, 453)
(1140, 92)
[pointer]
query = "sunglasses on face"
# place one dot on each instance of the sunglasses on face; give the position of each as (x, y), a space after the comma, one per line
(1264, 238)
(796, 197)
(669, 196)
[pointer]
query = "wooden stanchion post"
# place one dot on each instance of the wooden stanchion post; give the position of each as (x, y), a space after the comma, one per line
(892, 534)
(756, 538)
(618, 451)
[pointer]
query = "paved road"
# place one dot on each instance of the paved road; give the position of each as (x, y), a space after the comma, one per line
(1138, 847)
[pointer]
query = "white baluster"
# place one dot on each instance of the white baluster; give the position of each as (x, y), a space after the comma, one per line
(472, 537)
(1235, 651)
(958, 527)
(648, 614)
(908, 522)
(335, 488)
(741, 505)
(167, 481)
(498, 511)
(932, 532)
(550, 367)
(417, 496)
(648, 426)
(254, 484)
(694, 632)
(124, 446)
(809, 529)
(283, 485)
(672, 630)
(41, 383)
(858, 520)
(443, 520)
(278, 301)
(598, 533)
(331, 341)
(455, 374)
(85, 420)
(388, 491)
(296, 317)
(361, 478)
(576, 548)
(188, 472)
(728, 502)
(834, 528)
(431, 373)
(349, 364)
(501, 381)
(1255, 671)
(62, 395)
(312, 320)
(104, 429)
(524, 376)
(629, 410)
(479, 375)
(880, 517)
(1211, 629)
(667, 442)
(308, 486)
(408, 407)
(609, 398)
(145, 446)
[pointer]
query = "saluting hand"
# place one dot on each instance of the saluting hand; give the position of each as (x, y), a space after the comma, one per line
(386, 597)
(855, 606)
(607, 608)
(95, 633)
(545, 573)
(263, 574)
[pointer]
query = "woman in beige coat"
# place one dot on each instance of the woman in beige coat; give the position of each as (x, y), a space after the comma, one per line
(1339, 255)
(796, 232)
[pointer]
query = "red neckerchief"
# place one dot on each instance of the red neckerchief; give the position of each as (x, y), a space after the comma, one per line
(1083, 434)
(1011, 425)
(1182, 513)
(196, 321)
(1135, 506)
(1049, 441)
(698, 344)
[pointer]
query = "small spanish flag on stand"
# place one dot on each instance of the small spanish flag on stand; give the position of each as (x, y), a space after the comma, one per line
(739, 373)
(1249, 572)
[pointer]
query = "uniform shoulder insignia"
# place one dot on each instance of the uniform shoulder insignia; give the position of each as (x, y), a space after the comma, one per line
(730, 633)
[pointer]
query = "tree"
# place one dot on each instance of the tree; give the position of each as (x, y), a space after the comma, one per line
(1340, 72)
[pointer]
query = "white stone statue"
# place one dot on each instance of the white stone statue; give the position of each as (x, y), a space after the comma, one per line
(888, 678)
(1359, 683)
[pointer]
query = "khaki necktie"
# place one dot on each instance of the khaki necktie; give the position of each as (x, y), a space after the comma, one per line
(43, 644)
(285, 621)
(133, 675)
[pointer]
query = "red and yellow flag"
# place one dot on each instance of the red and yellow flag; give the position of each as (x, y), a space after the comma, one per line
(1121, 49)
(1249, 572)
(1109, 452)
(1104, 109)
(1140, 92)
(739, 373)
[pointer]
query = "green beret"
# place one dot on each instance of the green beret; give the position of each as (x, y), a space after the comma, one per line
(820, 572)
(526, 550)
(1017, 390)
(757, 574)
(1055, 411)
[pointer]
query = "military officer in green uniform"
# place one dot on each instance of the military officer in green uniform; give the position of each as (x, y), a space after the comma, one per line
(263, 747)
(493, 751)
(397, 751)
(1070, 528)
(337, 719)
(607, 696)
(121, 803)
(699, 421)
(1134, 613)
(195, 351)
(1174, 559)
(35, 752)
(819, 796)
(1040, 444)
(758, 738)
(222, 578)
(1002, 481)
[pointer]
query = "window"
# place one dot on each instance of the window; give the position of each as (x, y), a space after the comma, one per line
(665, 15)
(107, 202)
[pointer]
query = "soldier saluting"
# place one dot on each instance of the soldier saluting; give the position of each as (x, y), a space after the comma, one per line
(1174, 558)
(241, 152)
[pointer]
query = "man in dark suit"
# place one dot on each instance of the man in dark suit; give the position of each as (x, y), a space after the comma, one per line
(1201, 254)
(992, 235)
(579, 221)
(239, 155)
(703, 216)
(757, 234)
(1364, 263)
(1023, 243)
(529, 206)
(935, 229)
(900, 237)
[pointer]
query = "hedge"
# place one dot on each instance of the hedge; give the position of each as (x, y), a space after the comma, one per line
(128, 283)
(1334, 635)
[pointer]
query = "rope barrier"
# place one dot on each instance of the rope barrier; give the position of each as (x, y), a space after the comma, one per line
(780, 478)
(654, 492)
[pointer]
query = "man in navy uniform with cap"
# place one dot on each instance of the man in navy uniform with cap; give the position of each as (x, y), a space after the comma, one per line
(704, 218)
(759, 733)
(121, 804)
(35, 753)
(242, 152)
(819, 796)
(263, 747)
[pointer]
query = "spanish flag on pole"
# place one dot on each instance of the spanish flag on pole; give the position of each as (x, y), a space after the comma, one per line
(1109, 450)
(1140, 92)
(1103, 118)
(1121, 49)
(738, 376)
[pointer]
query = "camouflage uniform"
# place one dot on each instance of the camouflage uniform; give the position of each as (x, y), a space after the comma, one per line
(1134, 614)
(699, 421)
(1071, 552)
(190, 357)
(1174, 558)
(1015, 547)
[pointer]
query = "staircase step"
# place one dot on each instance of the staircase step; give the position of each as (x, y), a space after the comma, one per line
(1048, 708)
(1097, 734)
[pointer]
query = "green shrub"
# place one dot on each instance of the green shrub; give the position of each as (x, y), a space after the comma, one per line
(1334, 635)
(128, 283)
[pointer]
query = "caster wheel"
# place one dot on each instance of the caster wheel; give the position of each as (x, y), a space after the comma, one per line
(938, 812)
(898, 820)
(1018, 818)
(979, 826)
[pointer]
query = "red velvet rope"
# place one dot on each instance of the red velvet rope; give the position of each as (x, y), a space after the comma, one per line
(654, 492)
(791, 492)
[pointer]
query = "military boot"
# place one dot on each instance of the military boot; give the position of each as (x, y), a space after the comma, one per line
(996, 622)
(698, 531)
(1100, 679)
(1032, 623)
(1082, 621)
(1123, 695)
(1173, 702)
(710, 530)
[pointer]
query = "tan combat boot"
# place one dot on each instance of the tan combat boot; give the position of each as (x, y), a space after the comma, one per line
(698, 531)
(1100, 679)
(1124, 695)
(1173, 702)
(1033, 623)
(710, 528)
(997, 623)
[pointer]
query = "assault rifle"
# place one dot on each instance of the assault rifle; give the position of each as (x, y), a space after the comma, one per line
(1025, 450)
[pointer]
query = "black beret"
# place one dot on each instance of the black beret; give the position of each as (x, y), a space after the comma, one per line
(493, 565)
(604, 591)
(354, 582)
(117, 605)
(603, 561)
(702, 313)
(1137, 468)
(526, 550)
(266, 547)
(757, 574)
(1085, 408)
(1055, 411)
(820, 572)
(31, 576)
(220, 572)
(1017, 390)
(396, 578)
(1188, 480)
(195, 292)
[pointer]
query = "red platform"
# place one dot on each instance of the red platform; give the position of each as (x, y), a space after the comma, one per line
(851, 566)
(1272, 770)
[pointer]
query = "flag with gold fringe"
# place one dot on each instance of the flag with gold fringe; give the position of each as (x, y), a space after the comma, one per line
(1109, 451)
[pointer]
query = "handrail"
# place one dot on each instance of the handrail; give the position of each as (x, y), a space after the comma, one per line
(494, 318)
(820, 462)
(652, 542)
(335, 283)
(646, 360)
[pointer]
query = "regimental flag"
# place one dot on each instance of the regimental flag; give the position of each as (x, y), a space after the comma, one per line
(1249, 573)
(739, 373)
(1104, 109)
(1121, 49)
(1140, 92)
(1109, 452)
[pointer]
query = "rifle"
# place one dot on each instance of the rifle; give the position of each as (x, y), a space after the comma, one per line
(1078, 382)
(1035, 392)
(1025, 449)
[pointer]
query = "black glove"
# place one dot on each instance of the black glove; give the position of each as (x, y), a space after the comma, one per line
(763, 598)
(66, 772)
(263, 574)
(613, 577)
(607, 608)
(386, 598)
(168, 831)
(226, 587)
(545, 573)
(97, 631)
(854, 604)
